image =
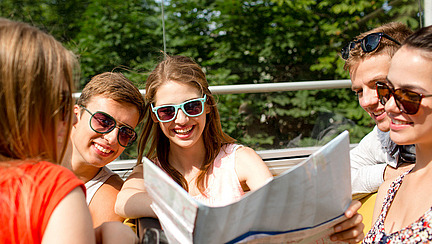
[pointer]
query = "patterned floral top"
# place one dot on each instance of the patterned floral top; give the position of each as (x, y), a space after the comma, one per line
(417, 232)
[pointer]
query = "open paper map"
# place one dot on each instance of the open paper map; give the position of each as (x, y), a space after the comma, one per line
(299, 206)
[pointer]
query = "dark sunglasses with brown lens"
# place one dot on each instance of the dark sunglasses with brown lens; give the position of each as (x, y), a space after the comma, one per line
(407, 101)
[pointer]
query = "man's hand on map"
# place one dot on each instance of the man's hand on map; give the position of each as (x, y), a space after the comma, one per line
(350, 230)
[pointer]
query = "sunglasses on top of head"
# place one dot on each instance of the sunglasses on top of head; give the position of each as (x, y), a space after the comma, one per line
(191, 108)
(368, 44)
(104, 123)
(407, 101)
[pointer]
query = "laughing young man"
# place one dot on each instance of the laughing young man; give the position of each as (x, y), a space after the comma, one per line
(107, 112)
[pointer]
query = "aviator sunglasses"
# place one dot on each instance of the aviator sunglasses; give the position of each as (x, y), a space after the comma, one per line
(191, 108)
(369, 43)
(407, 101)
(104, 123)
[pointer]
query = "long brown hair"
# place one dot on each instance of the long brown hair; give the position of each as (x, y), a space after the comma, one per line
(181, 69)
(37, 76)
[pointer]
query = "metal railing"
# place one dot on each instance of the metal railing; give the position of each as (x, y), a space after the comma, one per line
(124, 167)
(273, 87)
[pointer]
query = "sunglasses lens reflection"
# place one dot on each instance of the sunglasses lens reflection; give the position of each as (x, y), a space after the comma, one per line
(126, 136)
(166, 113)
(383, 93)
(345, 52)
(408, 101)
(193, 108)
(368, 44)
(371, 42)
(102, 122)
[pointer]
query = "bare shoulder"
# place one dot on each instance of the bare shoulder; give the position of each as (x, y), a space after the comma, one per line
(250, 168)
(66, 226)
(246, 158)
(246, 154)
(103, 202)
(382, 193)
(137, 172)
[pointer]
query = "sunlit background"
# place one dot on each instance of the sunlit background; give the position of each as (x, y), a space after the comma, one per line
(236, 42)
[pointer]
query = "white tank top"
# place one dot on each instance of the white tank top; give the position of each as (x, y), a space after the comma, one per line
(94, 184)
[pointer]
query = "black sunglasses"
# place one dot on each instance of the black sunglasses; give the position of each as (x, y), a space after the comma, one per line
(407, 101)
(103, 123)
(369, 43)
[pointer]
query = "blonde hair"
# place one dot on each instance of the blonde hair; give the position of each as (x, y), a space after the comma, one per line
(37, 76)
(181, 69)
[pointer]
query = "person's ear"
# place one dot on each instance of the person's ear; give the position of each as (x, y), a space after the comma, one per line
(207, 108)
(76, 114)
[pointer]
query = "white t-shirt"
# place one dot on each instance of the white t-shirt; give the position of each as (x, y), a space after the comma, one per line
(94, 184)
(369, 159)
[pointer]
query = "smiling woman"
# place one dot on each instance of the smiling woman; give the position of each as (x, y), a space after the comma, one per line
(185, 138)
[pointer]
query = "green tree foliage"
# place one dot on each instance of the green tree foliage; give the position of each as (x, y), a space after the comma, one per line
(236, 42)
(121, 35)
(242, 42)
(61, 18)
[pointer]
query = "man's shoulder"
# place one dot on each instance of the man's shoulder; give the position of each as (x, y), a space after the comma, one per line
(106, 177)
(373, 146)
(372, 139)
(110, 188)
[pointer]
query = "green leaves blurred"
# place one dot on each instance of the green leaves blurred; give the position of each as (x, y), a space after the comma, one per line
(236, 42)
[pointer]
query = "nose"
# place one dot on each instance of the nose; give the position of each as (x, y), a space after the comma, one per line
(369, 98)
(111, 137)
(181, 117)
(391, 106)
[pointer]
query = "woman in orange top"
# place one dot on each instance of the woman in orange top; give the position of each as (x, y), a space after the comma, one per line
(39, 201)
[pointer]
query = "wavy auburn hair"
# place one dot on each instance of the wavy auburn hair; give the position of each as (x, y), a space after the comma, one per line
(181, 69)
